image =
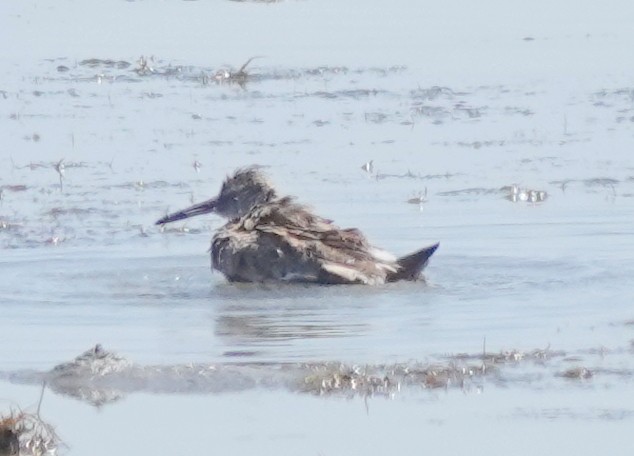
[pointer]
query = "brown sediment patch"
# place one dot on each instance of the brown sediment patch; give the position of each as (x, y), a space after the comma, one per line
(333, 378)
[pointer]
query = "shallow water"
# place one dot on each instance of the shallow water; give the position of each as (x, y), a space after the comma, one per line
(452, 112)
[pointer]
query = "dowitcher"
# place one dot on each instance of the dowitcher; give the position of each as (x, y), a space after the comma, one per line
(273, 238)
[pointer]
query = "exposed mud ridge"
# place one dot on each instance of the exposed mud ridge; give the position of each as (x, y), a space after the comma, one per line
(111, 70)
(98, 376)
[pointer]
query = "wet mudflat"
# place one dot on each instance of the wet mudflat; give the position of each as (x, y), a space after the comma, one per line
(503, 143)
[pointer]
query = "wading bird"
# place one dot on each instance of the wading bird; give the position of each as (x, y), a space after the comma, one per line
(272, 238)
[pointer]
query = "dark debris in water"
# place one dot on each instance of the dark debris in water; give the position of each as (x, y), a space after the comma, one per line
(23, 433)
(13, 188)
(576, 373)
(107, 63)
(26, 433)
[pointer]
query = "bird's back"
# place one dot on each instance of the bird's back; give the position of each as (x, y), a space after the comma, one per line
(282, 240)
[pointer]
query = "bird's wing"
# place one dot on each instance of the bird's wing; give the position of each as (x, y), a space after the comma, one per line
(344, 254)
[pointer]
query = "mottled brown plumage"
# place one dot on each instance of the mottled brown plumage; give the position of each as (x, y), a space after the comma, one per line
(269, 238)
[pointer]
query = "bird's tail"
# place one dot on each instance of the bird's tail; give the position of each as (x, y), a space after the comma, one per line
(410, 266)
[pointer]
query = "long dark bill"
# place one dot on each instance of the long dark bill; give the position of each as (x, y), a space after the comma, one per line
(197, 209)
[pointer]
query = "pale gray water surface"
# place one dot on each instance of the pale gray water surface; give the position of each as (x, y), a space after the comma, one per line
(455, 104)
